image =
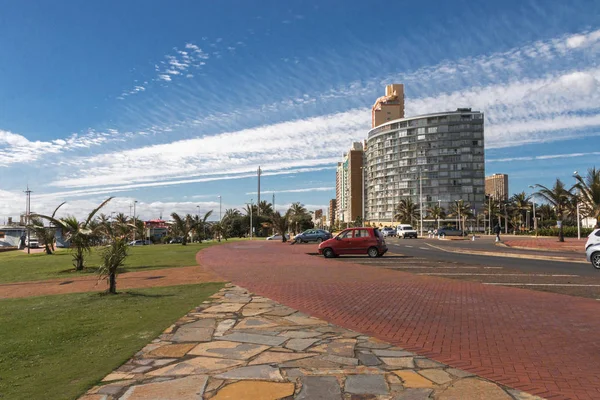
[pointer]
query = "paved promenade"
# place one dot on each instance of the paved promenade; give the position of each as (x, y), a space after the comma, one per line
(241, 346)
(551, 244)
(544, 344)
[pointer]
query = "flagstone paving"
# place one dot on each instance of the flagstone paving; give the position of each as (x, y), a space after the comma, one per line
(223, 350)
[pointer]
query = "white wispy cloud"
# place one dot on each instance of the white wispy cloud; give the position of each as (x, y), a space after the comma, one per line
(560, 105)
(542, 157)
(303, 190)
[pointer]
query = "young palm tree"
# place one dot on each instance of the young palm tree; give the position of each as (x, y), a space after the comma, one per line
(182, 226)
(558, 197)
(201, 224)
(281, 223)
(113, 257)
(45, 234)
(437, 213)
(520, 204)
(406, 211)
(589, 193)
(297, 213)
(545, 213)
(461, 210)
(79, 234)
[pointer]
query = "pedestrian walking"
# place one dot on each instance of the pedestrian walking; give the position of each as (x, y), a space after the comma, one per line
(497, 230)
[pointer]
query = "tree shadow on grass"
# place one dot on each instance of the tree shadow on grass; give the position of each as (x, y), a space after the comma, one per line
(85, 270)
(134, 294)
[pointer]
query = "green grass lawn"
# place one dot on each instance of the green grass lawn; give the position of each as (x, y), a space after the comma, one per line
(56, 347)
(16, 266)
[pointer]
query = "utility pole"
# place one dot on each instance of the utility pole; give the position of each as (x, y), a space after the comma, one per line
(362, 170)
(534, 217)
(134, 220)
(220, 218)
(28, 219)
(251, 218)
(421, 200)
(259, 172)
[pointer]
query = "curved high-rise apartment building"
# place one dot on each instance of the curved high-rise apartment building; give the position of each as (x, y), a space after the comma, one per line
(445, 149)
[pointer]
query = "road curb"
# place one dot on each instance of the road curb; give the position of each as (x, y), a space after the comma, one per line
(509, 255)
(532, 248)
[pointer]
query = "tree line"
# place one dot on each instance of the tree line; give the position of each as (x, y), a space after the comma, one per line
(555, 205)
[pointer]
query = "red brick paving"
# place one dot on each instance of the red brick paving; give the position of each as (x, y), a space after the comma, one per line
(543, 343)
(548, 244)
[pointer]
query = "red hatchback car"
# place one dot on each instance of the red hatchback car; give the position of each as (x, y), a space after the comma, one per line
(355, 241)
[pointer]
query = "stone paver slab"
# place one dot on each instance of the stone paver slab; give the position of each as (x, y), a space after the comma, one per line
(393, 353)
(253, 338)
(275, 357)
(189, 388)
(193, 335)
(436, 375)
(254, 323)
(341, 360)
(399, 362)
(320, 388)
(459, 373)
(171, 350)
(196, 365)
(225, 308)
(366, 384)
(300, 344)
(368, 359)
(257, 372)
(411, 379)
(117, 376)
(341, 347)
(224, 326)
(473, 389)
(231, 350)
(300, 334)
(415, 394)
(426, 363)
(255, 391)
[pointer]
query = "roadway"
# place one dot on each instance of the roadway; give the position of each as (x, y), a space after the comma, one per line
(501, 266)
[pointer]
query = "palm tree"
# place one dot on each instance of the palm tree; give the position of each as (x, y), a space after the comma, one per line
(281, 223)
(45, 234)
(519, 204)
(231, 214)
(437, 213)
(266, 208)
(558, 197)
(79, 234)
(297, 213)
(545, 212)
(201, 224)
(406, 211)
(182, 226)
(461, 210)
(113, 257)
(589, 193)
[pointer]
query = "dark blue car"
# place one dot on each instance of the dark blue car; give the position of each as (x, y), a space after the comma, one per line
(313, 235)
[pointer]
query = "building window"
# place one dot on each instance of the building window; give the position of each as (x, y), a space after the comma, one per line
(432, 129)
(420, 131)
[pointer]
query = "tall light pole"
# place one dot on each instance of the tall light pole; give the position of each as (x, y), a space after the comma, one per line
(362, 170)
(221, 217)
(134, 220)
(251, 218)
(28, 218)
(575, 174)
(440, 211)
(421, 202)
(534, 217)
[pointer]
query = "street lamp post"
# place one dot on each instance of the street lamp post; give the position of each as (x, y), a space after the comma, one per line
(220, 215)
(134, 220)
(251, 200)
(439, 212)
(577, 199)
(535, 228)
(421, 202)
(362, 170)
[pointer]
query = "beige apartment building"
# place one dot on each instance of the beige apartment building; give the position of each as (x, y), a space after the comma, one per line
(332, 212)
(349, 185)
(389, 107)
(496, 186)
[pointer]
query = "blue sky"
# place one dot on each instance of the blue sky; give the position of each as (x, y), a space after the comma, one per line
(174, 104)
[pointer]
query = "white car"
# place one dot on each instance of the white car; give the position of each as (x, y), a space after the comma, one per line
(406, 231)
(278, 237)
(387, 232)
(32, 243)
(592, 248)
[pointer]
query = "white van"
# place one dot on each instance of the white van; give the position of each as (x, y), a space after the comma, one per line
(406, 231)
(32, 242)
